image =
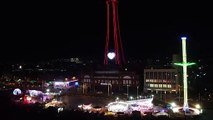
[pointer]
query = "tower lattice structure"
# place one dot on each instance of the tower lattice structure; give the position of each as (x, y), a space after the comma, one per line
(113, 36)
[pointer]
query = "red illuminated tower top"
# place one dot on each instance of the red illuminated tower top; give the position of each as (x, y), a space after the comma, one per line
(113, 48)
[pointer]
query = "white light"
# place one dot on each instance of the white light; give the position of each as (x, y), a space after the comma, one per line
(28, 98)
(175, 110)
(17, 91)
(20, 67)
(111, 55)
(183, 38)
(60, 109)
(197, 106)
(117, 98)
(48, 90)
(173, 104)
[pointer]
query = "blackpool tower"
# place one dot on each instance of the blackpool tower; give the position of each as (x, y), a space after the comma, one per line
(113, 47)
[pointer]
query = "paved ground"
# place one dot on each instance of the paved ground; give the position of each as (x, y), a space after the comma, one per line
(73, 101)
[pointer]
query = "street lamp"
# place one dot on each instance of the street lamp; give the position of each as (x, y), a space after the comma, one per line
(127, 91)
(179, 92)
(137, 91)
(109, 84)
(83, 87)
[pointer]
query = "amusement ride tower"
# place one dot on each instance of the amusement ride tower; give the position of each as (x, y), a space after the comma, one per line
(184, 64)
(113, 46)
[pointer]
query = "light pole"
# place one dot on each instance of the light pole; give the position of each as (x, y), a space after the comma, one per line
(127, 91)
(109, 84)
(179, 92)
(137, 91)
(83, 87)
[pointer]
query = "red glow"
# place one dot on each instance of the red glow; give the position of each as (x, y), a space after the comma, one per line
(118, 48)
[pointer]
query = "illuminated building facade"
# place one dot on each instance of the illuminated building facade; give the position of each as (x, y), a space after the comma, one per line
(165, 80)
(109, 81)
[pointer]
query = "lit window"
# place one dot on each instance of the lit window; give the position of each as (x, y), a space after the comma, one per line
(124, 81)
(151, 85)
(116, 81)
(113, 82)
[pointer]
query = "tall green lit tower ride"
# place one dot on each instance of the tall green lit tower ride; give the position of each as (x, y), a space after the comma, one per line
(184, 64)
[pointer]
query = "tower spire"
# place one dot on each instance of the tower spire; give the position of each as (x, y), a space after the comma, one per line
(115, 51)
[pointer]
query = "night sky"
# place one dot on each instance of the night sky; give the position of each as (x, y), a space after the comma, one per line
(38, 31)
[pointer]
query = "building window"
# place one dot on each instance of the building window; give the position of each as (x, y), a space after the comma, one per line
(164, 75)
(155, 75)
(151, 75)
(169, 86)
(130, 82)
(147, 75)
(168, 75)
(160, 75)
(160, 85)
(137, 82)
(156, 85)
(164, 85)
(86, 80)
(173, 76)
(113, 82)
(124, 82)
(151, 85)
(116, 81)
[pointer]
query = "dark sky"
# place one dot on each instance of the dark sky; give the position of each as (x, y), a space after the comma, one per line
(36, 31)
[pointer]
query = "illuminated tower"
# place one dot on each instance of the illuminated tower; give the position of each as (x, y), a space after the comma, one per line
(113, 46)
(184, 64)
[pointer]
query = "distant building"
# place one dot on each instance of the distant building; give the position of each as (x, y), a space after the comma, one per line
(109, 81)
(156, 80)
